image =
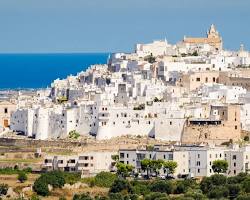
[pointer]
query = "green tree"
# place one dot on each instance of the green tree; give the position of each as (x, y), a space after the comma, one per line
(170, 166)
(41, 187)
(220, 166)
(156, 165)
(3, 189)
(115, 158)
(22, 176)
(55, 179)
(74, 135)
(121, 185)
(105, 179)
(123, 170)
(146, 165)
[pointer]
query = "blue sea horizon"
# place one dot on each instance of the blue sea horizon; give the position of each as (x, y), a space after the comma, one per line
(38, 70)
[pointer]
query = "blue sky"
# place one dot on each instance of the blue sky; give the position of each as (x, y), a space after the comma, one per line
(116, 25)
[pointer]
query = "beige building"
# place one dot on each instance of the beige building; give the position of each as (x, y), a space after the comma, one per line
(88, 163)
(236, 78)
(6, 109)
(194, 80)
(213, 39)
(222, 125)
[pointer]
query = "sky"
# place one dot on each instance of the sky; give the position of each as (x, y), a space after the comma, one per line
(66, 26)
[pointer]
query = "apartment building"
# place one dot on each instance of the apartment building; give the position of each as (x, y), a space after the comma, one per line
(88, 163)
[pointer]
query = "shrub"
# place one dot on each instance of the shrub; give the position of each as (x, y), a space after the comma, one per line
(55, 178)
(140, 188)
(246, 138)
(244, 197)
(180, 188)
(218, 179)
(82, 197)
(246, 185)
(115, 196)
(162, 186)
(121, 185)
(71, 178)
(234, 190)
(195, 194)
(206, 184)
(218, 192)
(35, 197)
(41, 187)
(155, 196)
(105, 179)
(74, 135)
(3, 189)
(22, 177)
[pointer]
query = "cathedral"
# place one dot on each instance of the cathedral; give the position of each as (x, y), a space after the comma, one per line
(213, 38)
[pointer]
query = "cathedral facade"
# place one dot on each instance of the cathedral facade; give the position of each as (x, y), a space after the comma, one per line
(213, 38)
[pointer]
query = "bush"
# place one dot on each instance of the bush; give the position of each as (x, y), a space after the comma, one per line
(218, 192)
(74, 135)
(55, 179)
(35, 197)
(71, 178)
(22, 177)
(82, 197)
(195, 194)
(246, 185)
(246, 138)
(41, 187)
(180, 188)
(115, 196)
(105, 179)
(162, 186)
(121, 185)
(140, 188)
(234, 190)
(206, 184)
(3, 189)
(244, 197)
(155, 196)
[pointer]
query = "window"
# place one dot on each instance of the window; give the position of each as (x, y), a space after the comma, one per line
(5, 110)
(198, 170)
(235, 164)
(127, 162)
(121, 155)
(234, 157)
(213, 79)
(198, 79)
(198, 163)
(235, 127)
(198, 155)
(170, 157)
(170, 123)
(127, 155)
(234, 171)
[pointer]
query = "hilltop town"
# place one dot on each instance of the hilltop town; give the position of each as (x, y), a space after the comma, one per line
(188, 102)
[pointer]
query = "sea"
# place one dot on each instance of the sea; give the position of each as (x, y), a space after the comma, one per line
(33, 71)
